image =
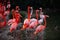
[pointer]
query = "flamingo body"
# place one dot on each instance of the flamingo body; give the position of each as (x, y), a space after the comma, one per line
(33, 20)
(33, 23)
(39, 29)
(13, 26)
(26, 23)
(42, 16)
(10, 21)
(40, 21)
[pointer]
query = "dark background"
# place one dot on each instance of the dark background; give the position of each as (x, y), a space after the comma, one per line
(53, 4)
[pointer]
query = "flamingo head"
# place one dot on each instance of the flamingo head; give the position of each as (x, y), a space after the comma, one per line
(17, 8)
(40, 9)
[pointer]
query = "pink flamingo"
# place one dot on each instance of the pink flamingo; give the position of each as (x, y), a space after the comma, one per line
(8, 5)
(42, 16)
(13, 25)
(27, 20)
(2, 16)
(16, 14)
(10, 22)
(6, 14)
(1, 9)
(34, 22)
(31, 11)
(41, 27)
(14, 22)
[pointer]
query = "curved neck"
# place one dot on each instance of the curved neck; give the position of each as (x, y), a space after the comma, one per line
(28, 12)
(45, 21)
(31, 11)
(37, 15)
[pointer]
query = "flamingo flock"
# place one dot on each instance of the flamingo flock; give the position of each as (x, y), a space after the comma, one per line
(29, 22)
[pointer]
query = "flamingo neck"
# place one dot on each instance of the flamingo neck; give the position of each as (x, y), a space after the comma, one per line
(37, 15)
(45, 21)
(31, 12)
(28, 12)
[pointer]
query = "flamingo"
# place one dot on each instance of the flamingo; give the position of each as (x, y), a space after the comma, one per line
(8, 5)
(41, 27)
(14, 22)
(42, 16)
(13, 14)
(10, 22)
(40, 21)
(31, 11)
(6, 14)
(34, 22)
(2, 16)
(13, 25)
(27, 20)
(17, 15)
(1, 9)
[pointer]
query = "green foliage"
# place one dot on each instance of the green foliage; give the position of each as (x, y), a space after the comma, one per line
(23, 13)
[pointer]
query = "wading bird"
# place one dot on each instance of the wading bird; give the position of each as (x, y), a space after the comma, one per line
(14, 22)
(27, 20)
(41, 27)
(34, 22)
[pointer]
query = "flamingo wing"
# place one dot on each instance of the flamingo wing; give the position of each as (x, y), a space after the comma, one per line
(13, 26)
